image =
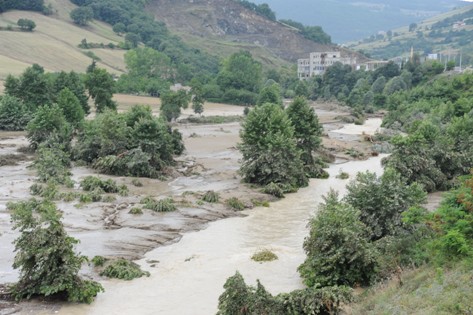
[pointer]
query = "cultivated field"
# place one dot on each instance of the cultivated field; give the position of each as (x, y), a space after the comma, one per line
(53, 45)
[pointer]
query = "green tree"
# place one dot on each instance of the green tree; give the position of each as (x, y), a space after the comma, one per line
(14, 114)
(269, 149)
(198, 100)
(32, 87)
(73, 82)
(70, 106)
(148, 63)
(270, 94)
(26, 24)
(82, 15)
(45, 255)
(100, 85)
(119, 28)
(338, 250)
(240, 72)
(48, 124)
(171, 104)
(382, 200)
(307, 132)
(132, 39)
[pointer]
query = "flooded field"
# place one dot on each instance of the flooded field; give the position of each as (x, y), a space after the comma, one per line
(198, 255)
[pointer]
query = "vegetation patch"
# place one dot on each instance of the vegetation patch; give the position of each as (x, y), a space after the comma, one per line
(136, 182)
(235, 204)
(91, 183)
(123, 269)
(264, 255)
(211, 119)
(136, 210)
(99, 261)
(211, 196)
(343, 175)
(274, 190)
(163, 205)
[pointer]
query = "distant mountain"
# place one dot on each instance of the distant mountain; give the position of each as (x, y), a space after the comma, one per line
(347, 20)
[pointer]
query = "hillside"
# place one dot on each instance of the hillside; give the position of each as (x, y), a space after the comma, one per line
(223, 27)
(347, 20)
(433, 35)
(53, 44)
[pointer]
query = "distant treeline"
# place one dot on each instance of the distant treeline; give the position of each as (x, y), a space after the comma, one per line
(314, 33)
(31, 5)
(260, 9)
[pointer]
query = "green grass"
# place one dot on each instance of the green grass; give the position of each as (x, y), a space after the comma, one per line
(426, 290)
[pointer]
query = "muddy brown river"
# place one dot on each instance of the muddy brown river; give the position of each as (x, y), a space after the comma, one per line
(187, 276)
(190, 274)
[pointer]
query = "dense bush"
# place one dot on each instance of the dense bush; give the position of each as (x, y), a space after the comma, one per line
(240, 299)
(382, 200)
(130, 144)
(49, 126)
(53, 165)
(45, 256)
(338, 248)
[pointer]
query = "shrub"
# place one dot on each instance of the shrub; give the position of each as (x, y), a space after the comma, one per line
(136, 210)
(123, 269)
(235, 204)
(48, 191)
(45, 256)
(382, 200)
(264, 255)
(52, 165)
(91, 183)
(240, 299)
(343, 175)
(211, 196)
(274, 189)
(338, 249)
(99, 261)
(49, 125)
(163, 205)
(109, 198)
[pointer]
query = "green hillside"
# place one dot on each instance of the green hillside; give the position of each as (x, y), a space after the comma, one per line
(53, 44)
(452, 31)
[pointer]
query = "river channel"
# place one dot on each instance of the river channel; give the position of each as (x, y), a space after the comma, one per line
(188, 276)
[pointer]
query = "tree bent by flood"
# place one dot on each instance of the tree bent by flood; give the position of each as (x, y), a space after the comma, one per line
(45, 255)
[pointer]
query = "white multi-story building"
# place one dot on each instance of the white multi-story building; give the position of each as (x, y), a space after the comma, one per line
(318, 62)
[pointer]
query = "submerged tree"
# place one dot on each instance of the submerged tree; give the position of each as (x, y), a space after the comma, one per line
(269, 149)
(45, 255)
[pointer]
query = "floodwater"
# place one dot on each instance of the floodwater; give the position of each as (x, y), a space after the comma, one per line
(188, 276)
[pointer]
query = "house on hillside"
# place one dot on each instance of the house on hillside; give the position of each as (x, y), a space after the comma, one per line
(318, 62)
